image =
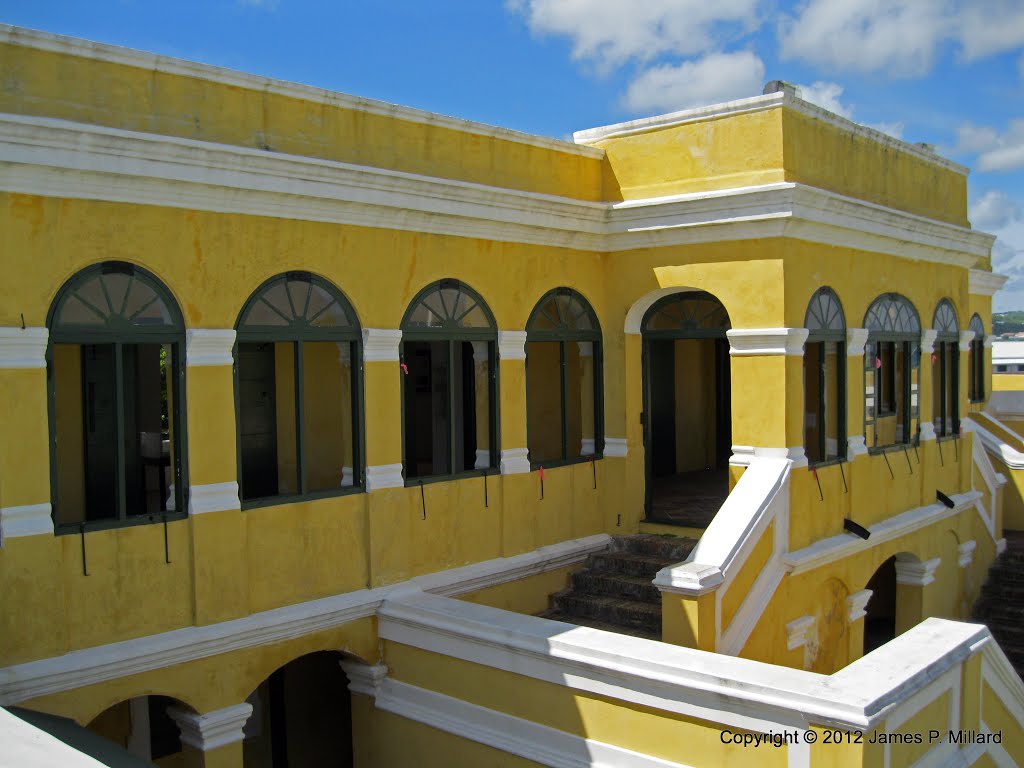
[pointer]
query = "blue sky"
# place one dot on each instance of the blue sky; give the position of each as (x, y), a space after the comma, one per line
(946, 72)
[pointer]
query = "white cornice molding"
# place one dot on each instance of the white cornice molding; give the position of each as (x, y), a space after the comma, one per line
(916, 574)
(615, 447)
(57, 158)
(214, 729)
(965, 553)
(966, 337)
(511, 345)
(88, 666)
(381, 345)
(799, 632)
(209, 346)
(856, 605)
(981, 282)
(364, 678)
(26, 520)
(514, 461)
(384, 476)
(23, 347)
(760, 104)
(151, 62)
(766, 341)
(856, 338)
(213, 497)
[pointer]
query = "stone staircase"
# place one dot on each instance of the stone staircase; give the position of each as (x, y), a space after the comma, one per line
(1001, 606)
(614, 590)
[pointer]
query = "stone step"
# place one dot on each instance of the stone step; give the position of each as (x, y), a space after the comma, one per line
(628, 564)
(582, 621)
(594, 582)
(997, 612)
(673, 548)
(611, 610)
(1004, 573)
(1010, 592)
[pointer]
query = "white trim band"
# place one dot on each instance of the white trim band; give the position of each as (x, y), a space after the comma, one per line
(928, 337)
(766, 341)
(966, 337)
(380, 345)
(614, 448)
(214, 729)
(213, 497)
(856, 338)
(916, 574)
(511, 345)
(799, 632)
(23, 347)
(514, 461)
(384, 476)
(26, 520)
(209, 346)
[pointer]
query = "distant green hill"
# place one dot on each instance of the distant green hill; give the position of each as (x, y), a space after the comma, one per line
(1008, 322)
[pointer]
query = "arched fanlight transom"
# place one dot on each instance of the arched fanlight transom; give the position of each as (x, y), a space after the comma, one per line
(563, 311)
(115, 298)
(892, 313)
(448, 305)
(297, 303)
(945, 321)
(825, 313)
(695, 312)
(978, 327)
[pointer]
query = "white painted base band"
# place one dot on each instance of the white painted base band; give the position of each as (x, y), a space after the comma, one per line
(214, 497)
(209, 346)
(214, 729)
(384, 476)
(28, 520)
(615, 448)
(514, 461)
(23, 347)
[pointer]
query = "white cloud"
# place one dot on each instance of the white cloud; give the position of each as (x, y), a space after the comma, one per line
(826, 95)
(893, 129)
(898, 37)
(995, 151)
(611, 32)
(994, 210)
(714, 78)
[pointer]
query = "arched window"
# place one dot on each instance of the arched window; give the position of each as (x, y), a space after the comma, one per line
(976, 362)
(115, 381)
(298, 392)
(891, 363)
(563, 380)
(825, 378)
(449, 395)
(946, 371)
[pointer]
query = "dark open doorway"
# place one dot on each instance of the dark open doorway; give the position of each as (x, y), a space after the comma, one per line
(687, 408)
(880, 621)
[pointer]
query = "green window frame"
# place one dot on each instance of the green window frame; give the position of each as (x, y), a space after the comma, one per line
(891, 365)
(112, 311)
(826, 326)
(946, 371)
(976, 362)
(308, 313)
(448, 325)
(563, 317)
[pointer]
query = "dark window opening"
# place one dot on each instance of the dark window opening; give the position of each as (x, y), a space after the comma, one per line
(824, 401)
(945, 388)
(891, 371)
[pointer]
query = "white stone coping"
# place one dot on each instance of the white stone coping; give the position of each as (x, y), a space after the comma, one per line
(209, 346)
(23, 347)
(966, 337)
(152, 62)
(915, 573)
(981, 282)
(714, 687)
(965, 553)
(992, 443)
(381, 345)
(133, 167)
(766, 341)
(846, 544)
(615, 448)
(856, 338)
(511, 345)
(75, 669)
(214, 729)
(734, 531)
(856, 605)
(743, 455)
(27, 746)
(759, 104)
(213, 497)
(26, 520)
(798, 632)
(514, 461)
(383, 476)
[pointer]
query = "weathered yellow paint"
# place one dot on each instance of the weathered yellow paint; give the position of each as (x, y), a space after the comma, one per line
(1007, 382)
(999, 720)
(689, 621)
(933, 716)
(748, 573)
(24, 455)
(843, 749)
(528, 595)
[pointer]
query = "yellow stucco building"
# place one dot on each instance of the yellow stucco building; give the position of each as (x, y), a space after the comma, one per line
(311, 403)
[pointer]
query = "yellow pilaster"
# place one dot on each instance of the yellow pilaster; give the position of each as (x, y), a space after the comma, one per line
(228, 756)
(25, 455)
(915, 585)
(689, 620)
(512, 377)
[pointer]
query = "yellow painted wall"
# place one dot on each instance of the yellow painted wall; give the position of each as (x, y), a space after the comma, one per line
(1007, 382)
(528, 595)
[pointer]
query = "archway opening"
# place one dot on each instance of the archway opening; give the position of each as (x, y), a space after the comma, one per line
(880, 621)
(143, 726)
(302, 715)
(687, 408)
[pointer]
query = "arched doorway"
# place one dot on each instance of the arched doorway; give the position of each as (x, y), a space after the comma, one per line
(301, 715)
(880, 621)
(687, 413)
(143, 726)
